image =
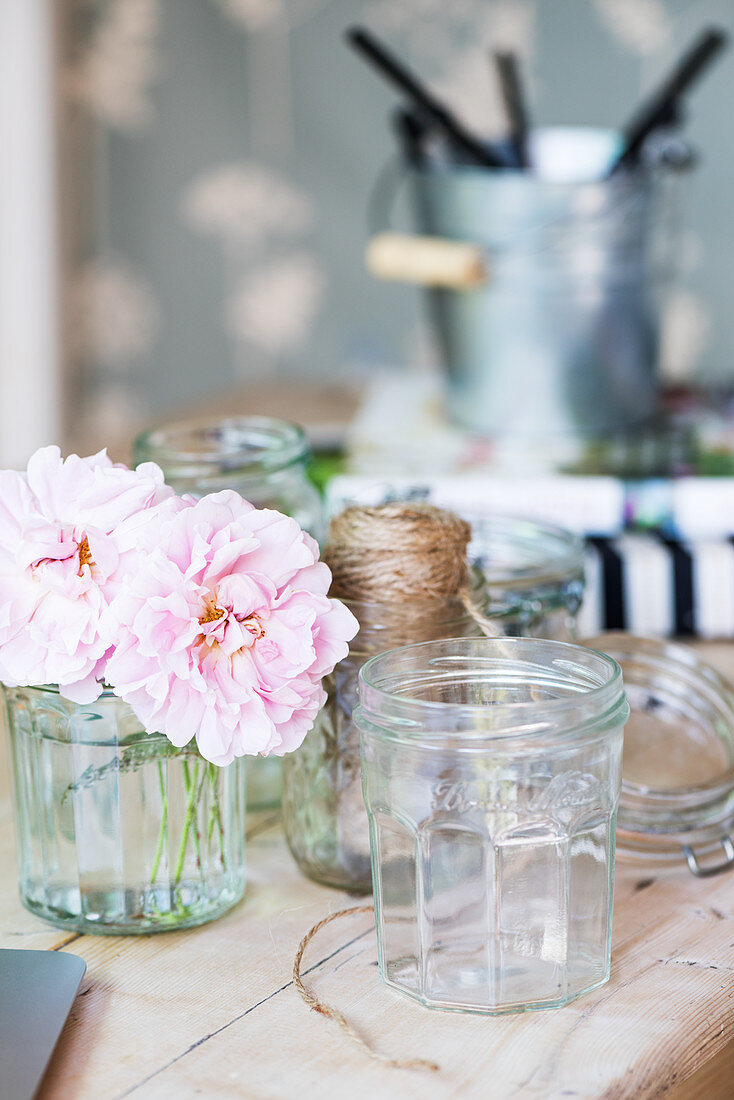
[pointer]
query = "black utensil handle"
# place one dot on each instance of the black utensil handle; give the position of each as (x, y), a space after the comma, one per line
(390, 66)
(659, 106)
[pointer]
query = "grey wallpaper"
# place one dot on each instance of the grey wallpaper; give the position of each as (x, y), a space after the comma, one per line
(219, 157)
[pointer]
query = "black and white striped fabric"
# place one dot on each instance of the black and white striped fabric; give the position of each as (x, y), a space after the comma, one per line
(649, 584)
(646, 583)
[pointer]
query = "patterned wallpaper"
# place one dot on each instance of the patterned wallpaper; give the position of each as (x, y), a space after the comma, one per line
(219, 158)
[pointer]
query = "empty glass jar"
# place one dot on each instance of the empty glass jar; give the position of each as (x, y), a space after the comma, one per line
(534, 570)
(260, 457)
(265, 461)
(119, 831)
(324, 814)
(491, 776)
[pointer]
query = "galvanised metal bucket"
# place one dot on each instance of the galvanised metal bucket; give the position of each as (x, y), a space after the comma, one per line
(562, 338)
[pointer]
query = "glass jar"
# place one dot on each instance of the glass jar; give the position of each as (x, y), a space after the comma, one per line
(535, 570)
(118, 831)
(263, 459)
(324, 815)
(491, 776)
(677, 802)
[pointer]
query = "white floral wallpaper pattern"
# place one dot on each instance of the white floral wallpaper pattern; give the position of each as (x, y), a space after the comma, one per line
(116, 62)
(219, 157)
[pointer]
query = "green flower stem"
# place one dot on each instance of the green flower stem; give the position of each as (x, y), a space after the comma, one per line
(191, 796)
(197, 834)
(215, 811)
(213, 804)
(163, 830)
(197, 796)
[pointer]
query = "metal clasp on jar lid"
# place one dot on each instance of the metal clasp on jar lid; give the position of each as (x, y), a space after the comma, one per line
(711, 869)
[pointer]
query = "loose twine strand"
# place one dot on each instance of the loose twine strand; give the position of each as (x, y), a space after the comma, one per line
(334, 1014)
(403, 568)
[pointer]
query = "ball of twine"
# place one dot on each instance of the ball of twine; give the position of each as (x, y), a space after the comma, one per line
(397, 553)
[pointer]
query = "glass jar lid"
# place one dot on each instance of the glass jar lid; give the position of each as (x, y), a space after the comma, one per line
(677, 795)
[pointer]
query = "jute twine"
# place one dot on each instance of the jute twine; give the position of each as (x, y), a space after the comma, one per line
(402, 569)
(397, 553)
(334, 1014)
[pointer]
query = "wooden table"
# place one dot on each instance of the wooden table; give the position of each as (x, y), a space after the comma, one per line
(213, 1013)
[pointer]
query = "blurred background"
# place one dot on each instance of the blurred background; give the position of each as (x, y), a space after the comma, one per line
(189, 210)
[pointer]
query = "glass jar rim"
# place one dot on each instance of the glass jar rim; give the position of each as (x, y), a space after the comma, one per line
(55, 689)
(244, 444)
(547, 553)
(592, 681)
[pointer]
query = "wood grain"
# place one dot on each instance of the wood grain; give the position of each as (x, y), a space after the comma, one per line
(212, 1012)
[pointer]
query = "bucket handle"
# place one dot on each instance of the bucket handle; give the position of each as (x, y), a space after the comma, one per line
(427, 261)
(411, 258)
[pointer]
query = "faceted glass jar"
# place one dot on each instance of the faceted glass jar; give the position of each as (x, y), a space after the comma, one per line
(534, 570)
(118, 831)
(324, 815)
(491, 773)
(263, 459)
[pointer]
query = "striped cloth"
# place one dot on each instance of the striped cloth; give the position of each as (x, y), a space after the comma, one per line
(650, 584)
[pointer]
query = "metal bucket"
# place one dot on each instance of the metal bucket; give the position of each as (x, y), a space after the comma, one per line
(562, 338)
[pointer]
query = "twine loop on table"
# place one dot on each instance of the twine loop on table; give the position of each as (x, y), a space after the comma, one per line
(334, 1014)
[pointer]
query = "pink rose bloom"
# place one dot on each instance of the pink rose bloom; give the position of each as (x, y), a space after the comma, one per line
(225, 630)
(68, 532)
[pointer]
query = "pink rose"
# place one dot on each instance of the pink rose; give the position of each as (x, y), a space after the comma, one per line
(68, 533)
(224, 630)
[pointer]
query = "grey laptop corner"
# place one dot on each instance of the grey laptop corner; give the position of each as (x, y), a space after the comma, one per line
(37, 990)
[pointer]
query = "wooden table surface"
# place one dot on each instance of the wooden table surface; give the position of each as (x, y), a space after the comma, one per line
(212, 1012)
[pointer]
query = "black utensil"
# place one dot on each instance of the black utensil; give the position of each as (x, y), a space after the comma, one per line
(396, 72)
(663, 103)
(513, 98)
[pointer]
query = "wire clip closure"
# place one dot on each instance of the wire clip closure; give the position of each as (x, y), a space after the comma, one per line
(716, 868)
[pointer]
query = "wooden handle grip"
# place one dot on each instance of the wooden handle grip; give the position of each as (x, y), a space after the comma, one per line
(428, 261)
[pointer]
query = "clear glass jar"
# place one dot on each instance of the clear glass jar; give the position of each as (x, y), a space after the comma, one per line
(324, 815)
(535, 570)
(118, 831)
(677, 800)
(263, 459)
(491, 776)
